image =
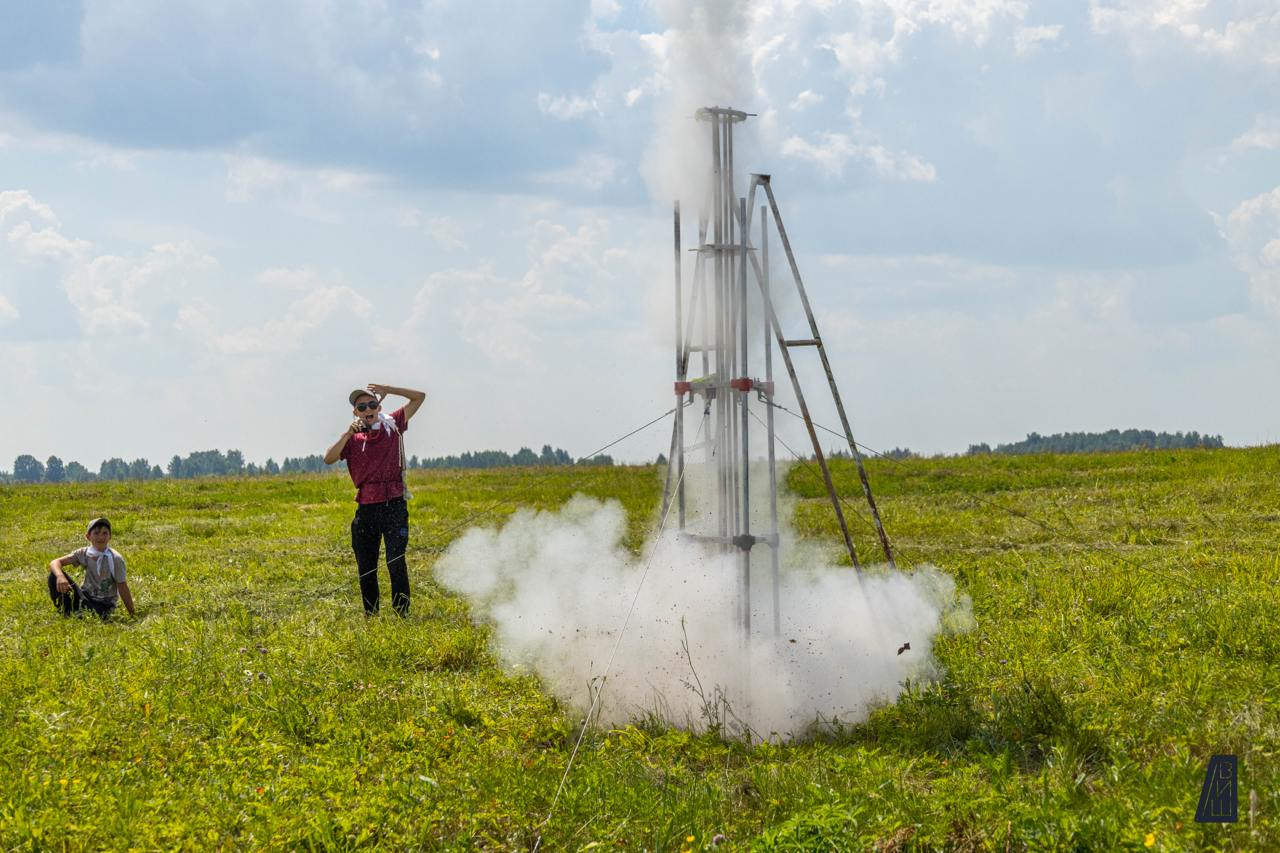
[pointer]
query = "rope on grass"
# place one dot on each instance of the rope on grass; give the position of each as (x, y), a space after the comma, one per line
(604, 678)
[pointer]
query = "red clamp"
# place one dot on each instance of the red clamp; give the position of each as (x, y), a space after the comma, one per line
(684, 387)
(744, 385)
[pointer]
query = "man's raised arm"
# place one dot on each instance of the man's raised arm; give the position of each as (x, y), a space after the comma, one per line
(415, 398)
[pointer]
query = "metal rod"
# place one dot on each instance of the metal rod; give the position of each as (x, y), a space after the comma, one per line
(808, 420)
(700, 273)
(718, 234)
(731, 328)
(831, 379)
(738, 266)
(746, 397)
(768, 377)
(682, 370)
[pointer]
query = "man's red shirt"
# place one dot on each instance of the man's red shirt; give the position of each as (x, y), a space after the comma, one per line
(373, 461)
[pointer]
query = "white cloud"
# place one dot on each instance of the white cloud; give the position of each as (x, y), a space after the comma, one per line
(108, 158)
(251, 178)
(114, 294)
(287, 279)
(7, 311)
(1028, 40)
(1244, 31)
(591, 171)
(569, 275)
(445, 230)
(875, 32)
(782, 60)
(12, 201)
(1252, 232)
(805, 99)
(604, 10)
(47, 243)
(832, 150)
(320, 309)
(429, 73)
(1265, 133)
(565, 107)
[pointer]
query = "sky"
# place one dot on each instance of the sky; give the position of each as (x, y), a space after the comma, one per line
(1012, 216)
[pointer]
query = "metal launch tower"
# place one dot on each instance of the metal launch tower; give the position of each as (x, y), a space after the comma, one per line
(726, 316)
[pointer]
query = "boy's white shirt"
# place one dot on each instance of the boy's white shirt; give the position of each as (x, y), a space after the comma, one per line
(105, 552)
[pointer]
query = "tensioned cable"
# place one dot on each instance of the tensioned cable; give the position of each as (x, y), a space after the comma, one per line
(1014, 511)
(604, 678)
(509, 499)
(853, 509)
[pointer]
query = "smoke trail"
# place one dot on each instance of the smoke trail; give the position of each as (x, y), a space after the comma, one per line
(704, 65)
(557, 585)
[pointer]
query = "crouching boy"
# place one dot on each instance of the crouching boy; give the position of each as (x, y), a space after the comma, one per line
(104, 577)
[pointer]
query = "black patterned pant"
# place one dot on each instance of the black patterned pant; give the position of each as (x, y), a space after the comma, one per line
(373, 524)
(73, 600)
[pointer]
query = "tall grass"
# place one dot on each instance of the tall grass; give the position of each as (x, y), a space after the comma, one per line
(1128, 611)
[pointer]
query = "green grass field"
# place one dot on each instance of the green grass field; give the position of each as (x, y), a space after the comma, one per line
(1128, 627)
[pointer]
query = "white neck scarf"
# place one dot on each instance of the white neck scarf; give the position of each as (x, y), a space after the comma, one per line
(98, 555)
(390, 424)
(391, 428)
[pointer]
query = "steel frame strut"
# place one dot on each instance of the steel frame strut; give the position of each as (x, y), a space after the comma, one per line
(711, 318)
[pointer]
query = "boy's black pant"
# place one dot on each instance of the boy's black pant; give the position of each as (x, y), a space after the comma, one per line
(373, 523)
(73, 601)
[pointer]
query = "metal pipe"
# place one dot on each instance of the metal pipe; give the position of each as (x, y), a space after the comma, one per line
(682, 366)
(831, 379)
(773, 469)
(700, 277)
(808, 420)
(730, 315)
(718, 233)
(746, 397)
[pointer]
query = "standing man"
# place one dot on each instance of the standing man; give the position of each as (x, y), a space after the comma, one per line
(373, 446)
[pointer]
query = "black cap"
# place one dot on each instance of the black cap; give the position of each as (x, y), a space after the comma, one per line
(98, 522)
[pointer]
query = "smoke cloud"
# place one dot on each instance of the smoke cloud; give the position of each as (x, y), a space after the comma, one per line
(558, 586)
(703, 64)
(569, 602)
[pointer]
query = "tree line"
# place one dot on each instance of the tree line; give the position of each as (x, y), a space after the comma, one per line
(216, 463)
(1068, 442)
(1095, 442)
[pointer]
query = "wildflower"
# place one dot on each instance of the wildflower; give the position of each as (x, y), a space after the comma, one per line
(1150, 840)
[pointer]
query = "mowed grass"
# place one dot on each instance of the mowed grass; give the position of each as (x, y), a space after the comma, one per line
(1128, 627)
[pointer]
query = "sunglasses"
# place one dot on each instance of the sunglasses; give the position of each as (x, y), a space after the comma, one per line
(360, 407)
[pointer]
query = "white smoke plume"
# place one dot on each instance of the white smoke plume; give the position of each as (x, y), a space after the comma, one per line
(703, 64)
(558, 586)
